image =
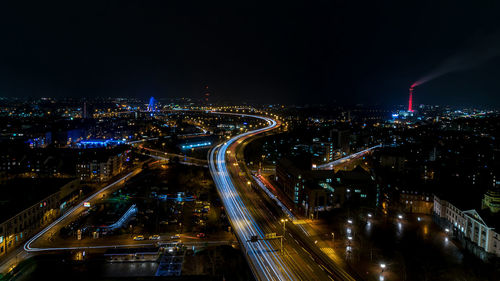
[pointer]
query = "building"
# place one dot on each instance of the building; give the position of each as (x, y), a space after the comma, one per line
(416, 202)
(42, 203)
(477, 230)
(341, 139)
(100, 165)
(491, 200)
(324, 152)
(316, 190)
(308, 196)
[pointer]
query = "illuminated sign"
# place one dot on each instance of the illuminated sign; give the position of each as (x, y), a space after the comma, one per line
(86, 204)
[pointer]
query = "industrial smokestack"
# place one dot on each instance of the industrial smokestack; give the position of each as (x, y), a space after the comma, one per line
(410, 101)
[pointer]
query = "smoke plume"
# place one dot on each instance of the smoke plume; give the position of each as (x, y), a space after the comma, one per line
(477, 53)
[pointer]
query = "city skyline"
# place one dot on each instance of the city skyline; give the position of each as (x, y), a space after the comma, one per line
(250, 141)
(293, 53)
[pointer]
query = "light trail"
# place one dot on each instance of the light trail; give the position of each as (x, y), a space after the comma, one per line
(285, 210)
(27, 246)
(329, 166)
(264, 261)
(275, 198)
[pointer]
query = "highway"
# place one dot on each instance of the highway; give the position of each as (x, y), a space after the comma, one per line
(250, 216)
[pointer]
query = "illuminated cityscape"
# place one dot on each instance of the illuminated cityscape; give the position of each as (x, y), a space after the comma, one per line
(250, 141)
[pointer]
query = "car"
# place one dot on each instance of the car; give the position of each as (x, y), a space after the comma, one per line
(154, 237)
(201, 235)
(139, 237)
(177, 236)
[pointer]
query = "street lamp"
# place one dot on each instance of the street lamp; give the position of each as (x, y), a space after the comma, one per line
(283, 221)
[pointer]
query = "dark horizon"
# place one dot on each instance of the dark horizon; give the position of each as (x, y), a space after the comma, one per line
(291, 53)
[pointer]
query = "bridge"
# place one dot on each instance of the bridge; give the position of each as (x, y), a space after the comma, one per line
(331, 165)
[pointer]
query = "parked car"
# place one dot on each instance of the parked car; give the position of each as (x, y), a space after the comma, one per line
(177, 236)
(154, 237)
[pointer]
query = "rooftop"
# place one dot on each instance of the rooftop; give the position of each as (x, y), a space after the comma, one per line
(21, 193)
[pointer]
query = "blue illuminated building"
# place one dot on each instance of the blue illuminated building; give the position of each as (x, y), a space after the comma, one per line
(98, 143)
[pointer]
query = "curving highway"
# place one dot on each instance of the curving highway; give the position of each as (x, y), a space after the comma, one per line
(250, 215)
(265, 262)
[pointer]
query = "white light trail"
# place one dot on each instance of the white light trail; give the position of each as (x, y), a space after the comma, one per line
(28, 247)
(266, 264)
(329, 166)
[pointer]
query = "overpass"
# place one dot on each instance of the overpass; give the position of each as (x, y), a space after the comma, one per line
(331, 165)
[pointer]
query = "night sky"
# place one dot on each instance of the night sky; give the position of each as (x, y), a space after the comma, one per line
(343, 52)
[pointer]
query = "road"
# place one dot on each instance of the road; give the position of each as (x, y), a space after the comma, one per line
(52, 229)
(44, 237)
(333, 164)
(183, 159)
(48, 240)
(251, 216)
(301, 235)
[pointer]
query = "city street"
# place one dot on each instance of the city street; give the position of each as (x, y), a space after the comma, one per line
(35, 244)
(43, 239)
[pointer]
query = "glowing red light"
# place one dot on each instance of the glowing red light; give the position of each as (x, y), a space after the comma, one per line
(410, 101)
